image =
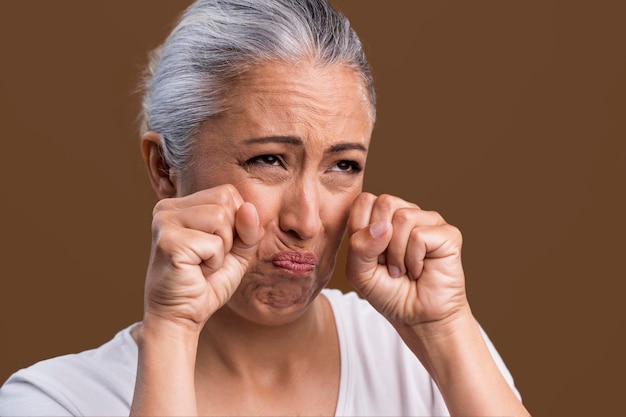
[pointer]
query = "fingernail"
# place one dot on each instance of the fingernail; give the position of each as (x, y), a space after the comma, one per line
(378, 229)
(394, 271)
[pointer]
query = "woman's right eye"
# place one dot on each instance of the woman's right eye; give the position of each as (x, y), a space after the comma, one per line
(269, 160)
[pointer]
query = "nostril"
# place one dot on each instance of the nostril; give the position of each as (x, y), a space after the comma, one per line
(302, 224)
(300, 212)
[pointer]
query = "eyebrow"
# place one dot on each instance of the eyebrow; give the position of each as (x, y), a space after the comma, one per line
(292, 140)
(346, 147)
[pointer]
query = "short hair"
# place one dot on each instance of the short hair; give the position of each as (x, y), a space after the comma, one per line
(217, 40)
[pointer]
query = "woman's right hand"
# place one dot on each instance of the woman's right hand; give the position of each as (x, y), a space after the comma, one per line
(202, 245)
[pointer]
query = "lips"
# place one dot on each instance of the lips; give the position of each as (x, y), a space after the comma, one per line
(296, 263)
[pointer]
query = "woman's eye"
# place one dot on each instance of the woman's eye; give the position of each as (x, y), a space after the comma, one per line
(271, 160)
(351, 167)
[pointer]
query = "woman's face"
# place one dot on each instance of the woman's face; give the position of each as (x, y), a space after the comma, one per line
(293, 141)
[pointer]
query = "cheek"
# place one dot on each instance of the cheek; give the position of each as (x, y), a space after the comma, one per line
(334, 212)
(197, 179)
(264, 199)
(334, 208)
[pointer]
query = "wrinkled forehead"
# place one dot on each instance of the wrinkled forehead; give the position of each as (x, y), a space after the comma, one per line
(332, 89)
(321, 106)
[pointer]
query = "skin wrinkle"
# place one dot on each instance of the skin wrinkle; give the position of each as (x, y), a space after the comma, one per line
(303, 190)
(288, 202)
(296, 88)
(313, 117)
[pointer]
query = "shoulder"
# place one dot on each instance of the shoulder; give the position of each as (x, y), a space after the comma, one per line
(98, 381)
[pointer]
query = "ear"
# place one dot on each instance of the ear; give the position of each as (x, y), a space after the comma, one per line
(161, 178)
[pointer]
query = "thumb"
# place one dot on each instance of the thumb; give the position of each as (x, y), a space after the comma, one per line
(249, 233)
(364, 249)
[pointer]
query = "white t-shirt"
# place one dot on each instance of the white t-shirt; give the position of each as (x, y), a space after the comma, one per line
(380, 376)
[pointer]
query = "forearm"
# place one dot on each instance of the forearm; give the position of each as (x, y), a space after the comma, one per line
(458, 359)
(165, 374)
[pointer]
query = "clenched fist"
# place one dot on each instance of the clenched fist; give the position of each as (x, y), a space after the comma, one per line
(405, 261)
(201, 247)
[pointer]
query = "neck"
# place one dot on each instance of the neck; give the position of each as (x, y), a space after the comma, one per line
(241, 347)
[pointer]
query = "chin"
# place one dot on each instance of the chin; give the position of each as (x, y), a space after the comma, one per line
(280, 301)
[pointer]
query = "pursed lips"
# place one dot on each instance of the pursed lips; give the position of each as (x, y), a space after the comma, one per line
(296, 263)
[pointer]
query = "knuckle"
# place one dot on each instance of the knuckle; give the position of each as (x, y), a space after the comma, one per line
(455, 232)
(386, 200)
(223, 195)
(403, 216)
(227, 194)
(166, 239)
(357, 244)
(162, 205)
(159, 220)
(416, 234)
(436, 216)
(364, 198)
(220, 215)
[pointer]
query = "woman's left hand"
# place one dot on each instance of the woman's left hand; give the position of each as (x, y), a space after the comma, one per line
(405, 261)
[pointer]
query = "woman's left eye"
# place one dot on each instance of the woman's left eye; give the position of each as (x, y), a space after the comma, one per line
(351, 167)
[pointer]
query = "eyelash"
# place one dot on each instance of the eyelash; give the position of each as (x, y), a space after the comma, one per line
(263, 160)
(353, 167)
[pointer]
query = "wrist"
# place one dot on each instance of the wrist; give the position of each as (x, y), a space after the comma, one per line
(441, 345)
(451, 326)
(166, 368)
(455, 354)
(155, 329)
(183, 322)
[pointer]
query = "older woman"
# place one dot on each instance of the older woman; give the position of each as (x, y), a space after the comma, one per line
(258, 117)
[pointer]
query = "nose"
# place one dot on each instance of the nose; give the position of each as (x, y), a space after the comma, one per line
(300, 210)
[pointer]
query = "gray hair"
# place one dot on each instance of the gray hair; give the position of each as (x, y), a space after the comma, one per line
(217, 40)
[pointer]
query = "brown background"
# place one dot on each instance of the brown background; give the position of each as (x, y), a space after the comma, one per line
(507, 117)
